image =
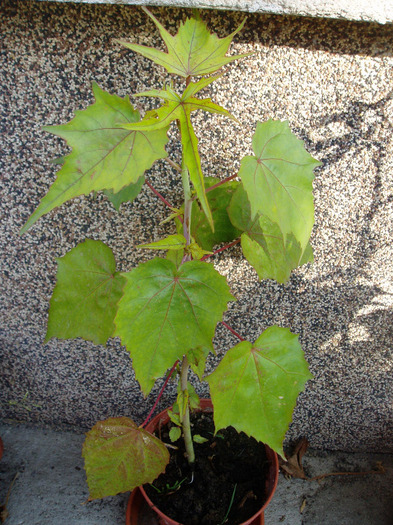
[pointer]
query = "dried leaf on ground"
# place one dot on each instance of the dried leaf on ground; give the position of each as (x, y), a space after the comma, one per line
(293, 465)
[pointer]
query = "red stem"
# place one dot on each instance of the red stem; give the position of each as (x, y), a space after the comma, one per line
(210, 188)
(220, 249)
(159, 195)
(159, 395)
(233, 331)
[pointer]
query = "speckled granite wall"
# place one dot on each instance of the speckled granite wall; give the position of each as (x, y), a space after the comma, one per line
(332, 81)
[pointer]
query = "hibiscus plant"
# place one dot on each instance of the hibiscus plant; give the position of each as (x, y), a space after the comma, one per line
(165, 311)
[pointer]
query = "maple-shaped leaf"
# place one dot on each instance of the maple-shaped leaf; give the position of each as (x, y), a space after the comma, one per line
(127, 194)
(178, 108)
(166, 311)
(120, 456)
(255, 386)
(278, 180)
(263, 243)
(104, 155)
(193, 51)
(219, 199)
(84, 300)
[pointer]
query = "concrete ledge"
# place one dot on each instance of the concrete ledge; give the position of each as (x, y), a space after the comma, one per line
(380, 11)
(51, 486)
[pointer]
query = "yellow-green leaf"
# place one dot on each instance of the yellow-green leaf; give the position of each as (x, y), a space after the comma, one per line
(171, 242)
(87, 291)
(255, 387)
(104, 156)
(193, 51)
(165, 311)
(278, 180)
(120, 456)
(271, 254)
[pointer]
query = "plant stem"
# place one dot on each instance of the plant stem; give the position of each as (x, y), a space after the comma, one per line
(186, 425)
(220, 249)
(159, 195)
(233, 331)
(220, 183)
(174, 165)
(159, 395)
(210, 188)
(186, 418)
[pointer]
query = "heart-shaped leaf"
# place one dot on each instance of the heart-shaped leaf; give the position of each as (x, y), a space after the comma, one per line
(104, 155)
(278, 180)
(254, 388)
(193, 51)
(87, 291)
(166, 311)
(120, 456)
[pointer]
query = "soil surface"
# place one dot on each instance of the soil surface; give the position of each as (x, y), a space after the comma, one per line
(228, 483)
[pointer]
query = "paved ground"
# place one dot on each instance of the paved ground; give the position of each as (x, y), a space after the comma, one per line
(50, 487)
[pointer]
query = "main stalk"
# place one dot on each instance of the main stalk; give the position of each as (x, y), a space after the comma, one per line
(185, 366)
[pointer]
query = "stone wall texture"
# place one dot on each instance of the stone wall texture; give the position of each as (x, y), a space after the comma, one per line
(332, 81)
(380, 11)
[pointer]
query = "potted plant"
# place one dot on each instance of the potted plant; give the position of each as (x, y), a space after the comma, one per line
(165, 311)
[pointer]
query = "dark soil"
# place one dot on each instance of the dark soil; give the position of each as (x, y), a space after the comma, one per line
(229, 465)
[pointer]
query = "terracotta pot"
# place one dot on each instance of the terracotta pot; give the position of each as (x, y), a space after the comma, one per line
(138, 497)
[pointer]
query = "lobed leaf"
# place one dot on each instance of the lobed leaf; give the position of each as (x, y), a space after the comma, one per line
(166, 311)
(278, 180)
(254, 388)
(263, 243)
(87, 291)
(178, 108)
(193, 51)
(119, 456)
(104, 155)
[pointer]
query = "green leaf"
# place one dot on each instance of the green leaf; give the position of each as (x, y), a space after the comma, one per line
(199, 439)
(263, 244)
(120, 456)
(192, 161)
(193, 398)
(254, 388)
(127, 194)
(175, 434)
(171, 242)
(193, 51)
(196, 251)
(182, 402)
(104, 155)
(197, 360)
(176, 256)
(175, 106)
(165, 311)
(179, 108)
(219, 200)
(174, 415)
(87, 291)
(278, 180)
